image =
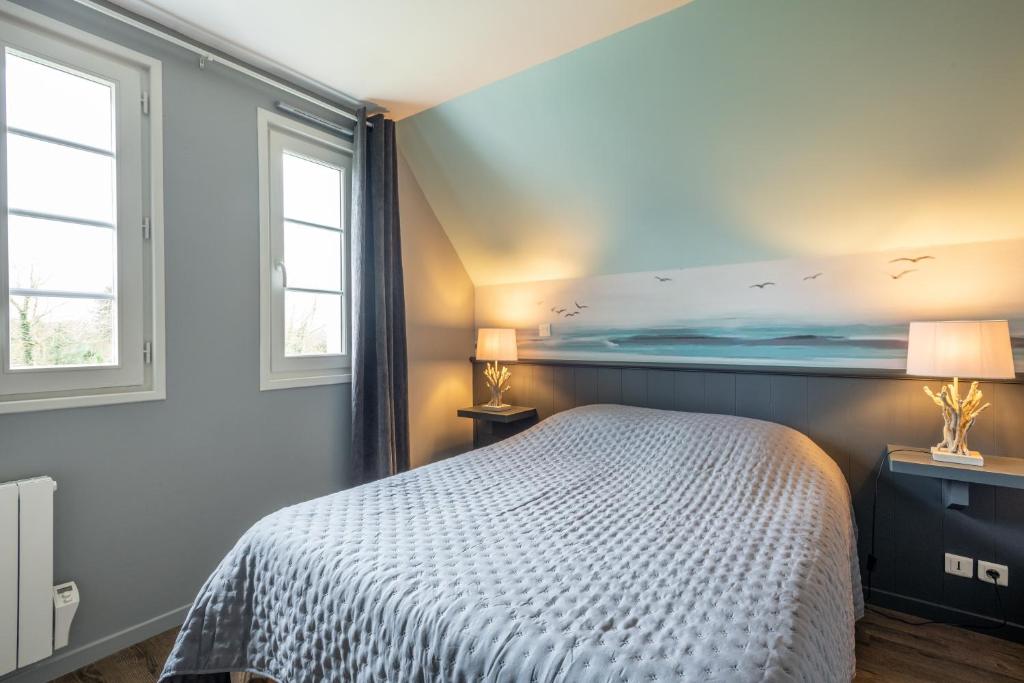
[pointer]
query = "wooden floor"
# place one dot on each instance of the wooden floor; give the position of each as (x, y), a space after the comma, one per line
(140, 663)
(887, 650)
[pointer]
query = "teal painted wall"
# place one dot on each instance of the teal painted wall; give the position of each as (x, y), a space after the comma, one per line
(737, 130)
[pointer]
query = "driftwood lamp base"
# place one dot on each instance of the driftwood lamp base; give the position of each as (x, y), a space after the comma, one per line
(958, 416)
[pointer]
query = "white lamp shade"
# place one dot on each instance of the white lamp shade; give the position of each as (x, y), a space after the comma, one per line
(973, 349)
(496, 344)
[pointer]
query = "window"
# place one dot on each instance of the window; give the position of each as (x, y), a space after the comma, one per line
(79, 239)
(304, 209)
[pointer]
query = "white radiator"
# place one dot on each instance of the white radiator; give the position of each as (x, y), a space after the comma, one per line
(26, 572)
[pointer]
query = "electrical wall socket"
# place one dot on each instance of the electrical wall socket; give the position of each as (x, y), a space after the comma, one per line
(959, 565)
(1004, 573)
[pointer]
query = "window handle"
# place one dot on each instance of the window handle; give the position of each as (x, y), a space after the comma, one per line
(284, 274)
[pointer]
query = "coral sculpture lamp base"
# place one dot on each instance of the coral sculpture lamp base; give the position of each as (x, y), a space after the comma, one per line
(973, 458)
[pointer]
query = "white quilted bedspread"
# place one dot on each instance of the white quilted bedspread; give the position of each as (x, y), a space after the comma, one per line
(605, 544)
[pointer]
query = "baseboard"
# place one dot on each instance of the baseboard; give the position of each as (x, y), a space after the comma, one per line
(66, 661)
(931, 610)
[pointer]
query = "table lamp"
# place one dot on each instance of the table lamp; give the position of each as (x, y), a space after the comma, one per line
(494, 344)
(976, 349)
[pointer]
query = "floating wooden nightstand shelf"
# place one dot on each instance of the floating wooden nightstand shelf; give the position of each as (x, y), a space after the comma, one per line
(491, 426)
(956, 479)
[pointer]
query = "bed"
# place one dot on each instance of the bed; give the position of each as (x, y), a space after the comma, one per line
(607, 543)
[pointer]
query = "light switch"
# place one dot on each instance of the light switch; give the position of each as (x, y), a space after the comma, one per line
(958, 565)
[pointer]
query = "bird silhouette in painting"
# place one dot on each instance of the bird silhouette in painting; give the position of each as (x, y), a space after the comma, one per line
(560, 311)
(900, 274)
(580, 306)
(762, 285)
(813, 277)
(911, 259)
(569, 315)
(540, 302)
(662, 279)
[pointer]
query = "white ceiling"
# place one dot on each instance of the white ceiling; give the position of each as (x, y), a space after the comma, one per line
(406, 55)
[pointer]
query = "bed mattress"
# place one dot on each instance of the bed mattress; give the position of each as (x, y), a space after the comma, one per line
(605, 544)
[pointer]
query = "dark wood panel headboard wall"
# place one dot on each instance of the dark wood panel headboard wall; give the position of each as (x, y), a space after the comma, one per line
(852, 417)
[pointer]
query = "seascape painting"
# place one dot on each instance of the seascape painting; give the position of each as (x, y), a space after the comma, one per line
(835, 312)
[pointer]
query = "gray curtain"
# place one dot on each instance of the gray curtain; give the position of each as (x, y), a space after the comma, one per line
(380, 403)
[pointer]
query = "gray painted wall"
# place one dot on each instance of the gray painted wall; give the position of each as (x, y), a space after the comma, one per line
(852, 418)
(153, 494)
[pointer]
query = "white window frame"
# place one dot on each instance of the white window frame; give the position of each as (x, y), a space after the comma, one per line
(140, 374)
(277, 134)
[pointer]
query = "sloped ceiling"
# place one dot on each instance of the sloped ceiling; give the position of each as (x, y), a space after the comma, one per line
(405, 55)
(732, 131)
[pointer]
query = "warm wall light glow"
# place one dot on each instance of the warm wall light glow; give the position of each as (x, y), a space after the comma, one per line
(857, 206)
(975, 349)
(549, 250)
(434, 387)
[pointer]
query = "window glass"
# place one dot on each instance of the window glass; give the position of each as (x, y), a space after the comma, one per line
(312, 323)
(49, 331)
(61, 240)
(313, 256)
(312, 192)
(55, 255)
(37, 101)
(48, 178)
(313, 242)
